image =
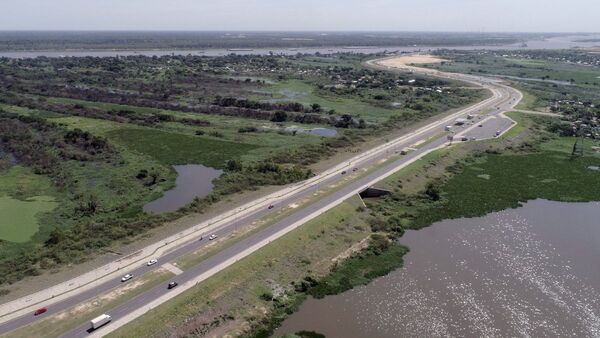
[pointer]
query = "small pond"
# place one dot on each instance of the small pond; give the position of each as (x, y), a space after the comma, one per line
(323, 132)
(193, 180)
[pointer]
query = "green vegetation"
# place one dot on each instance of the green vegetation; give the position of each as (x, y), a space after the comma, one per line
(378, 259)
(171, 148)
(103, 134)
(535, 166)
(18, 221)
(514, 178)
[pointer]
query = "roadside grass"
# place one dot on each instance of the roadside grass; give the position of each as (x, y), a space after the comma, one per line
(523, 123)
(528, 102)
(412, 178)
(18, 219)
(237, 290)
(64, 321)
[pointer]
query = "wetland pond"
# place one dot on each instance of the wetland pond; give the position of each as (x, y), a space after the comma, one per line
(193, 180)
(533, 271)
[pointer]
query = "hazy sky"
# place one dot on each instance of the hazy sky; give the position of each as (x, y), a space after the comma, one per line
(413, 15)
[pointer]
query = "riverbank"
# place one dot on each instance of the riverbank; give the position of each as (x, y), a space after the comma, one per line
(533, 166)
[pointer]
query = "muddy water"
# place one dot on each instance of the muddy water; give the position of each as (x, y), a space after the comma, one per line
(532, 271)
(193, 181)
(559, 42)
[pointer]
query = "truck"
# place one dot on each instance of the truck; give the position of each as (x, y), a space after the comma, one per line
(97, 322)
(460, 121)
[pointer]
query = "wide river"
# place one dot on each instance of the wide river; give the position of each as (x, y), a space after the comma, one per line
(527, 272)
(558, 42)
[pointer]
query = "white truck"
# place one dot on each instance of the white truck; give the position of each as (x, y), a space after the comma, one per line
(103, 319)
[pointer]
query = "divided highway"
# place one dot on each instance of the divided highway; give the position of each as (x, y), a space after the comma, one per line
(490, 111)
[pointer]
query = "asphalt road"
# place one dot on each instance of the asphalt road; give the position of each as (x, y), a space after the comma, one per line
(505, 102)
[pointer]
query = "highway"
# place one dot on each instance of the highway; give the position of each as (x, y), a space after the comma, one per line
(503, 99)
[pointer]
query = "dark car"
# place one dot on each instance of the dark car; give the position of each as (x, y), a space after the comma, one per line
(40, 311)
(344, 172)
(271, 206)
(172, 285)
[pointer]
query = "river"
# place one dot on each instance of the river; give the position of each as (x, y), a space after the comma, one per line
(527, 272)
(557, 42)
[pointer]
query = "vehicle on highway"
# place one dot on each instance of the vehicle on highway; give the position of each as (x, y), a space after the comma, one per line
(172, 285)
(102, 319)
(497, 132)
(126, 277)
(152, 262)
(448, 128)
(211, 237)
(473, 138)
(271, 206)
(481, 125)
(344, 172)
(354, 169)
(464, 138)
(40, 311)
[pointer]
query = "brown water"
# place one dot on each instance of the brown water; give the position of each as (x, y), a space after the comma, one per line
(193, 180)
(527, 272)
(558, 42)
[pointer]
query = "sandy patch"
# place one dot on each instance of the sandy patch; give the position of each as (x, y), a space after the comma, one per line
(410, 59)
(351, 250)
(294, 205)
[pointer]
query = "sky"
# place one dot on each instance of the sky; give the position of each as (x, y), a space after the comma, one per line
(304, 15)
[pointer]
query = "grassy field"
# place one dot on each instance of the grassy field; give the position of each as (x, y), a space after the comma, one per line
(305, 93)
(172, 149)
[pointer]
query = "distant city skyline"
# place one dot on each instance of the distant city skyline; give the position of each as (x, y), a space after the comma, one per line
(305, 15)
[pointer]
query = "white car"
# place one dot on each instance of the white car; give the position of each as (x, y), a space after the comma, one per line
(152, 262)
(211, 237)
(126, 277)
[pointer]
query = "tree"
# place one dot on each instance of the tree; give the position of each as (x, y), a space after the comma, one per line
(433, 191)
(279, 116)
(316, 108)
(57, 235)
(233, 165)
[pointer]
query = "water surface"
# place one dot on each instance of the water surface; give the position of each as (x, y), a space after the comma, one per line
(193, 180)
(559, 42)
(527, 272)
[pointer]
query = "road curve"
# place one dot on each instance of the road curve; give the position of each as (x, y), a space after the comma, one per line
(503, 99)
